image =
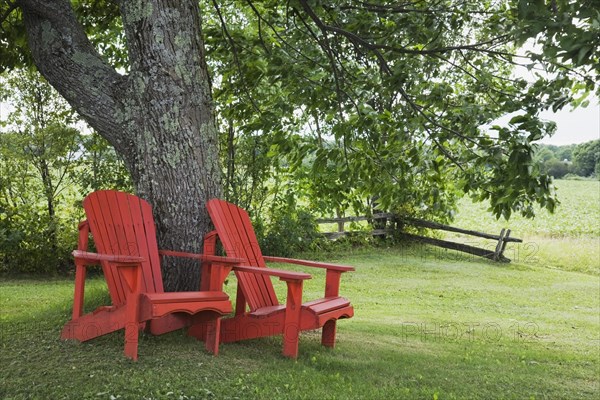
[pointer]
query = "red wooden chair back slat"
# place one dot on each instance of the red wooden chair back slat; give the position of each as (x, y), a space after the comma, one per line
(122, 224)
(237, 235)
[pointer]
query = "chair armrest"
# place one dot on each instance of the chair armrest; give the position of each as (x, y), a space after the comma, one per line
(315, 264)
(97, 257)
(202, 257)
(281, 274)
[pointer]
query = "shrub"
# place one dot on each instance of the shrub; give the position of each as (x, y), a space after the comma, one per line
(287, 231)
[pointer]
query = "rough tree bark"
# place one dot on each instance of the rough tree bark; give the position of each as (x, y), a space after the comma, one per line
(159, 117)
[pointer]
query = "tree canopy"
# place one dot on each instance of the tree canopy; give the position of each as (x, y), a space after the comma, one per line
(360, 100)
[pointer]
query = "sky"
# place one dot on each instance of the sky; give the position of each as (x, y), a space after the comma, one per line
(577, 126)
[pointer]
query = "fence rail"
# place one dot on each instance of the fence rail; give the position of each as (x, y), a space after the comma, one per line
(388, 223)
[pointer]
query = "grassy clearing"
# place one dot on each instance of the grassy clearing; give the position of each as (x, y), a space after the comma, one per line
(426, 325)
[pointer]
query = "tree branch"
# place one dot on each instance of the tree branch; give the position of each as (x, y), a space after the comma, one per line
(64, 55)
(11, 7)
(355, 39)
(236, 58)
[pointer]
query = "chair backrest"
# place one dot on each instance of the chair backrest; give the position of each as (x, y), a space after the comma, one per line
(237, 236)
(122, 224)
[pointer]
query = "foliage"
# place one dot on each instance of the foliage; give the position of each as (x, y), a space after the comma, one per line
(567, 35)
(555, 161)
(501, 343)
(586, 158)
(101, 167)
(287, 229)
(46, 164)
(577, 159)
(556, 168)
(348, 105)
(363, 101)
(33, 234)
(13, 43)
(38, 154)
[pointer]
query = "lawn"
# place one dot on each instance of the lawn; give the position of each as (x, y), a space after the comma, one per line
(428, 325)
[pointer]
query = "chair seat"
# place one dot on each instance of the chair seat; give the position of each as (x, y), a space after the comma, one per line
(185, 297)
(318, 307)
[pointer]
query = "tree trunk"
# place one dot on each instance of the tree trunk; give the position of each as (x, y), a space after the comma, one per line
(159, 118)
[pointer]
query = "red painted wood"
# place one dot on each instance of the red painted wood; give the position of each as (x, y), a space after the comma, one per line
(282, 274)
(80, 273)
(202, 257)
(213, 336)
(266, 316)
(136, 243)
(110, 258)
(125, 237)
(240, 301)
(332, 282)
(132, 279)
(264, 286)
(95, 217)
(239, 238)
(328, 335)
(209, 248)
(84, 235)
(316, 264)
(291, 327)
(80, 270)
(236, 243)
(328, 305)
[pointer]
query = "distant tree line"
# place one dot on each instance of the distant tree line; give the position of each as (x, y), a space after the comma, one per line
(581, 160)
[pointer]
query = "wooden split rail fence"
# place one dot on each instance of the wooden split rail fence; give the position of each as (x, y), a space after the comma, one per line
(388, 223)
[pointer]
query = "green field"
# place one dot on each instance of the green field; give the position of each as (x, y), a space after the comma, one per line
(569, 239)
(429, 324)
(578, 214)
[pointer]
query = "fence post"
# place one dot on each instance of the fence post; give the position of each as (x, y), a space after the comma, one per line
(499, 246)
(341, 222)
(504, 241)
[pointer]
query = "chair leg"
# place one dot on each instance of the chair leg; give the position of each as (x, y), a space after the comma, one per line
(132, 276)
(132, 331)
(213, 336)
(291, 328)
(328, 335)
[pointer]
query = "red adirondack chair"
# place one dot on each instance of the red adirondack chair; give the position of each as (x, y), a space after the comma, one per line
(124, 234)
(266, 316)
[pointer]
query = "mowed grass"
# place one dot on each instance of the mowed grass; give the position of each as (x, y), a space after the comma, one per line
(429, 323)
(426, 326)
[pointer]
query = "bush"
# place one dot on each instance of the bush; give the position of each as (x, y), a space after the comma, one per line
(556, 168)
(26, 248)
(287, 231)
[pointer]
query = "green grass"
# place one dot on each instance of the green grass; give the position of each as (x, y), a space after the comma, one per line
(569, 239)
(428, 324)
(578, 214)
